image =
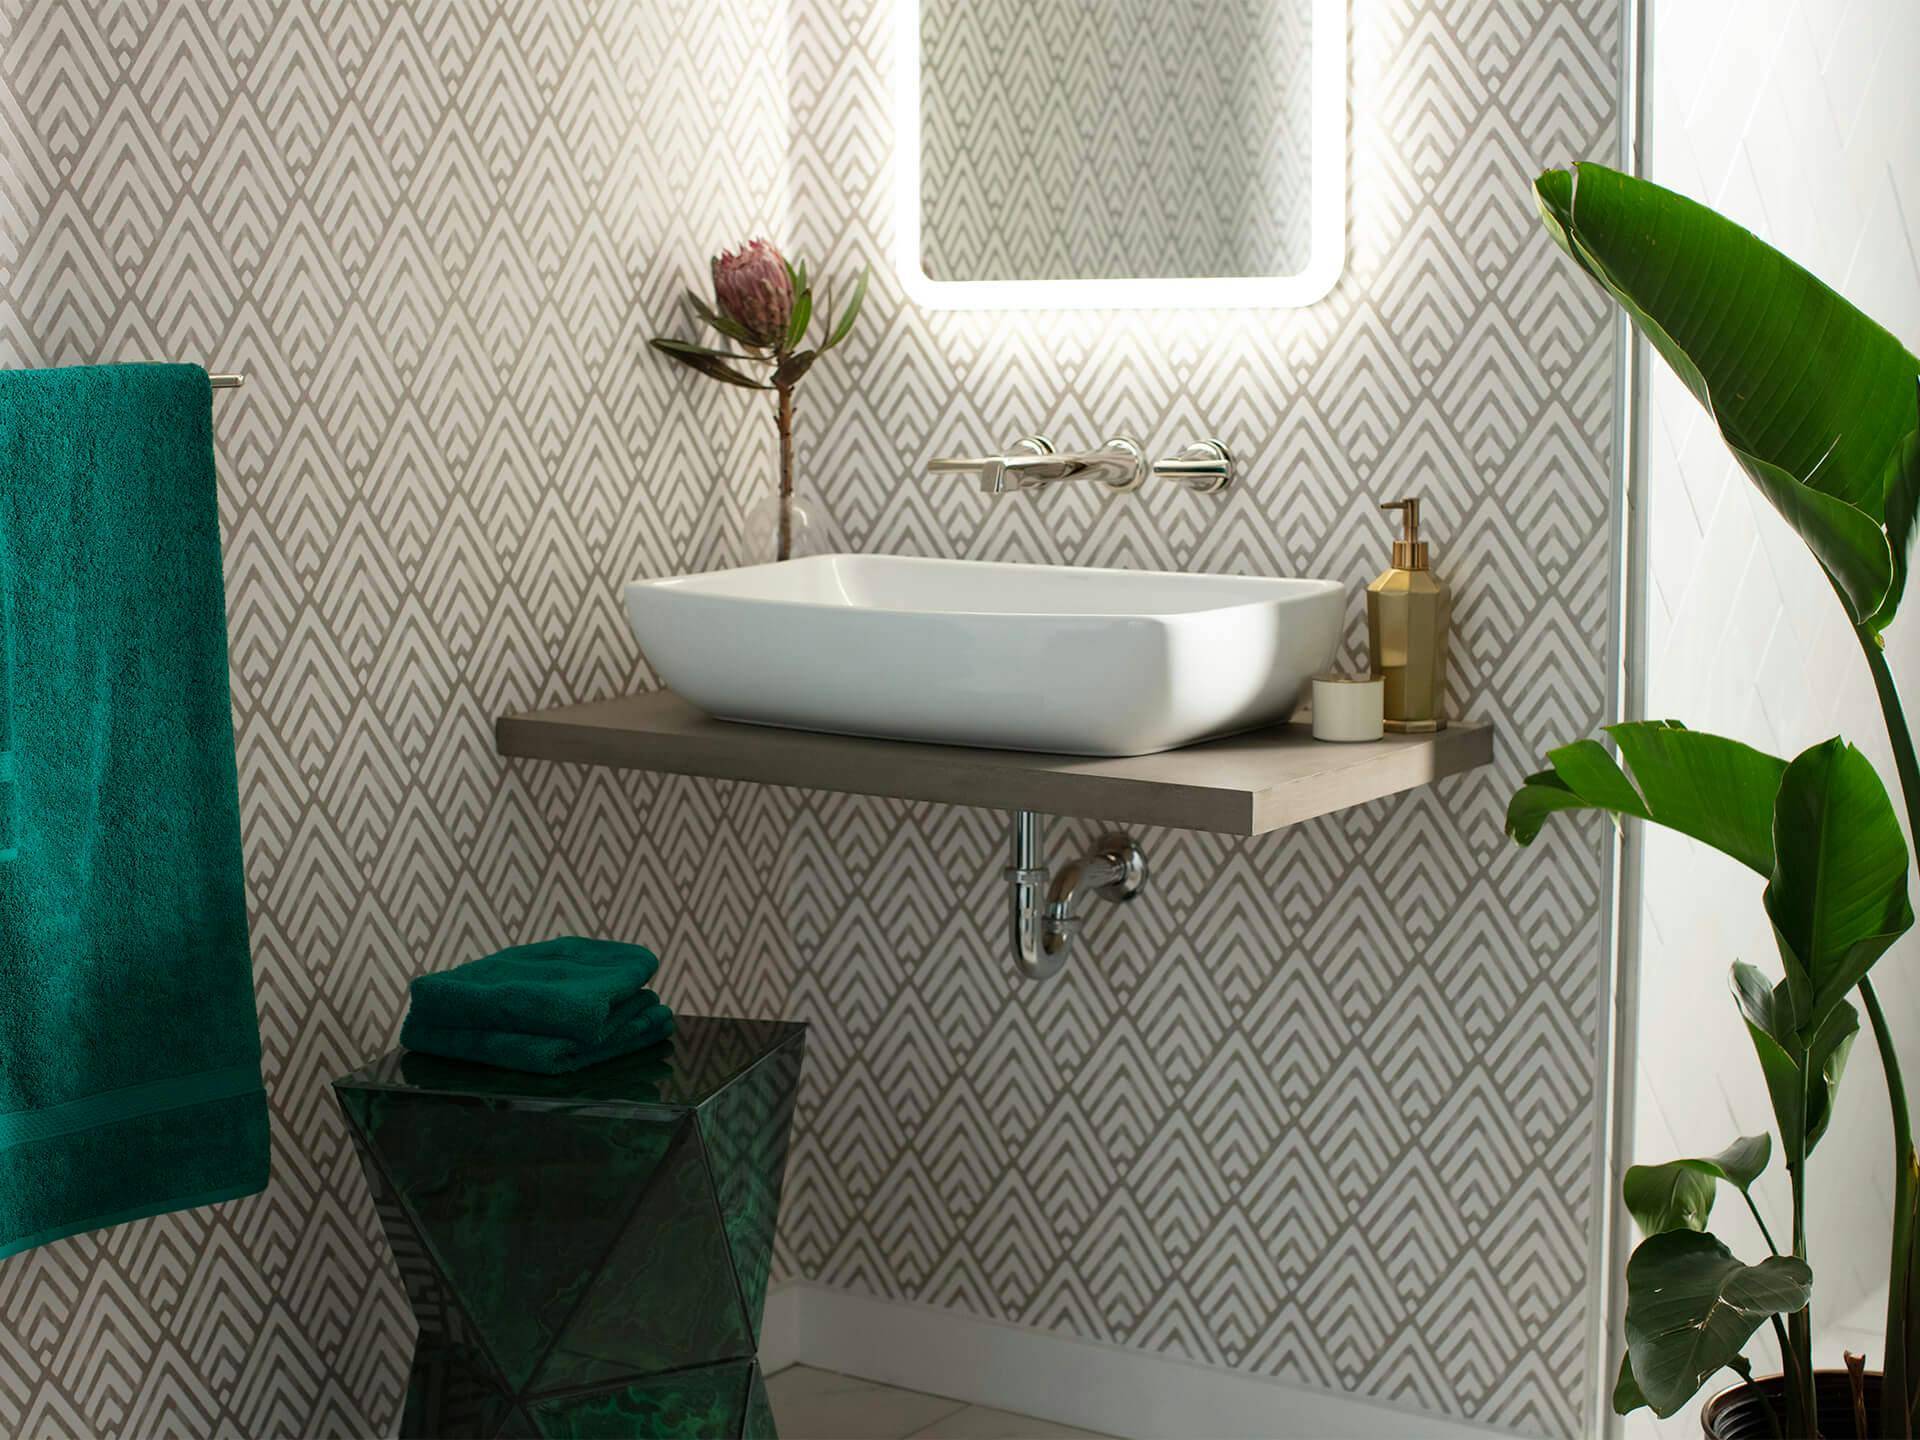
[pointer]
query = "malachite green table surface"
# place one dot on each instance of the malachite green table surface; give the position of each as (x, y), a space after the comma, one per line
(587, 1254)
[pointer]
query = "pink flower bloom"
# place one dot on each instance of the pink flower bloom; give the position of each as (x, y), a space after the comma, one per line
(753, 290)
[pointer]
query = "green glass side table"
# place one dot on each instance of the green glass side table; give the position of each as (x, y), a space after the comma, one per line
(587, 1254)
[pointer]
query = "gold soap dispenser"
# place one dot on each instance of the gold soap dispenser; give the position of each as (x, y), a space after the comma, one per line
(1408, 609)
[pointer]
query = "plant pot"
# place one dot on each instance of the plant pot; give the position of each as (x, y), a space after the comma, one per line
(1737, 1413)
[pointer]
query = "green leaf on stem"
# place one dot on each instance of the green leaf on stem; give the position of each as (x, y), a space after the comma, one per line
(798, 321)
(1626, 1390)
(1714, 789)
(852, 312)
(686, 347)
(734, 331)
(1692, 1307)
(708, 365)
(1679, 1194)
(1838, 894)
(1814, 398)
(793, 366)
(1801, 1080)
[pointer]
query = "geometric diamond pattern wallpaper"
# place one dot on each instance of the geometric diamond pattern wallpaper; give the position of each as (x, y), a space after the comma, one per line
(435, 239)
(1325, 1105)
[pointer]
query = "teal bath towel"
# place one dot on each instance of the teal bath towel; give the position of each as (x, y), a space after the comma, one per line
(553, 1006)
(567, 986)
(129, 1045)
(640, 1022)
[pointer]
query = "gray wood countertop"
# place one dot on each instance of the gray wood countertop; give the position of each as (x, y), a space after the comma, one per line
(1241, 785)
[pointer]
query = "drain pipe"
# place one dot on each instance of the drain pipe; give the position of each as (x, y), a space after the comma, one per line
(1042, 929)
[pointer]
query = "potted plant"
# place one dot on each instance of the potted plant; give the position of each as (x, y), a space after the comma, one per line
(764, 306)
(1817, 403)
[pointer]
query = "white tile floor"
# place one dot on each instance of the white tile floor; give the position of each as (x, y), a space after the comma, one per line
(811, 1404)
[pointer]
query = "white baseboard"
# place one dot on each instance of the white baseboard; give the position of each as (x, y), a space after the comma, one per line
(780, 1327)
(1128, 1393)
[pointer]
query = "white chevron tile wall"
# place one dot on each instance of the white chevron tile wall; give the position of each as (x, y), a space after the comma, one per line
(435, 239)
(1326, 1108)
(1793, 118)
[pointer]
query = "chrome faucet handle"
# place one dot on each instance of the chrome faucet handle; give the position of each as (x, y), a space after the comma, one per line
(1203, 467)
(992, 469)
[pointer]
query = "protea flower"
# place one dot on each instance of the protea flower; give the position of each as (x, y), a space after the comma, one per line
(754, 289)
(765, 306)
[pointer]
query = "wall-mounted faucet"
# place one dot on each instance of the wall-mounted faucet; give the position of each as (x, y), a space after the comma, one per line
(1204, 467)
(1034, 464)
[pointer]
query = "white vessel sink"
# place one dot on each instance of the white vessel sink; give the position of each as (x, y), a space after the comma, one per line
(1018, 657)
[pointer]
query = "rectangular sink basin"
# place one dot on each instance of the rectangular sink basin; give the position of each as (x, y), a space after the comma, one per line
(962, 652)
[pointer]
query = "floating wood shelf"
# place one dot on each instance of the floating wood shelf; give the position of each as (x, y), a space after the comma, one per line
(1242, 785)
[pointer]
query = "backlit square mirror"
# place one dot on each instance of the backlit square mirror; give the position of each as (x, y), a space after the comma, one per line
(1121, 153)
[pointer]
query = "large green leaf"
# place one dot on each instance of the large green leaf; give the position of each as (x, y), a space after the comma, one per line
(1801, 1079)
(1838, 894)
(1815, 399)
(1679, 1194)
(1707, 786)
(1626, 1390)
(1692, 1307)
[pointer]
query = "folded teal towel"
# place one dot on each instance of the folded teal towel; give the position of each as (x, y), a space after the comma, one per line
(635, 1024)
(129, 1046)
(570, 987)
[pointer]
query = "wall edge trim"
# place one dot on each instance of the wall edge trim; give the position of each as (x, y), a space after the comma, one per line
(1107, 1388)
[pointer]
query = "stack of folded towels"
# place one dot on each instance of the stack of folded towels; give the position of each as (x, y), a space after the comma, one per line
(551, 1007)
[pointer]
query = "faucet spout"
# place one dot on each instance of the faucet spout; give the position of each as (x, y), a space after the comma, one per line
(1119, 465)
(1033, 464)
(992, 469)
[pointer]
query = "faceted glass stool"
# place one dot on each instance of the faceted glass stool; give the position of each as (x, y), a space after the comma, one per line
(587, 1254)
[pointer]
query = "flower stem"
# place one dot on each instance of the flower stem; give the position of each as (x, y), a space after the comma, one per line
(784, 548)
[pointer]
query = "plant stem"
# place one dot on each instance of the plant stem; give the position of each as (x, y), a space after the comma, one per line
(784, 549)
(1779, 1330)
(1897, 1406)
(1857, 1383)
(1765, 1234)
(1896, 723)
(1744, 1370)
(1796, 1364)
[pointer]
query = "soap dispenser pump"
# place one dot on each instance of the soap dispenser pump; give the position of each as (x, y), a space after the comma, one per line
(1408, 609)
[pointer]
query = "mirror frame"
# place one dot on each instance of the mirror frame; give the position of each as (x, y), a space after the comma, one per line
(1327, 229)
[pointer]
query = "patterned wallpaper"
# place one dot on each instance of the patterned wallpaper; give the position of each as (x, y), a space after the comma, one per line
(1323, 1106)
(432, 236)
(1088, 139)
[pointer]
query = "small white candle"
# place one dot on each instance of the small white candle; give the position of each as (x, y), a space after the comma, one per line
(1348, 708)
